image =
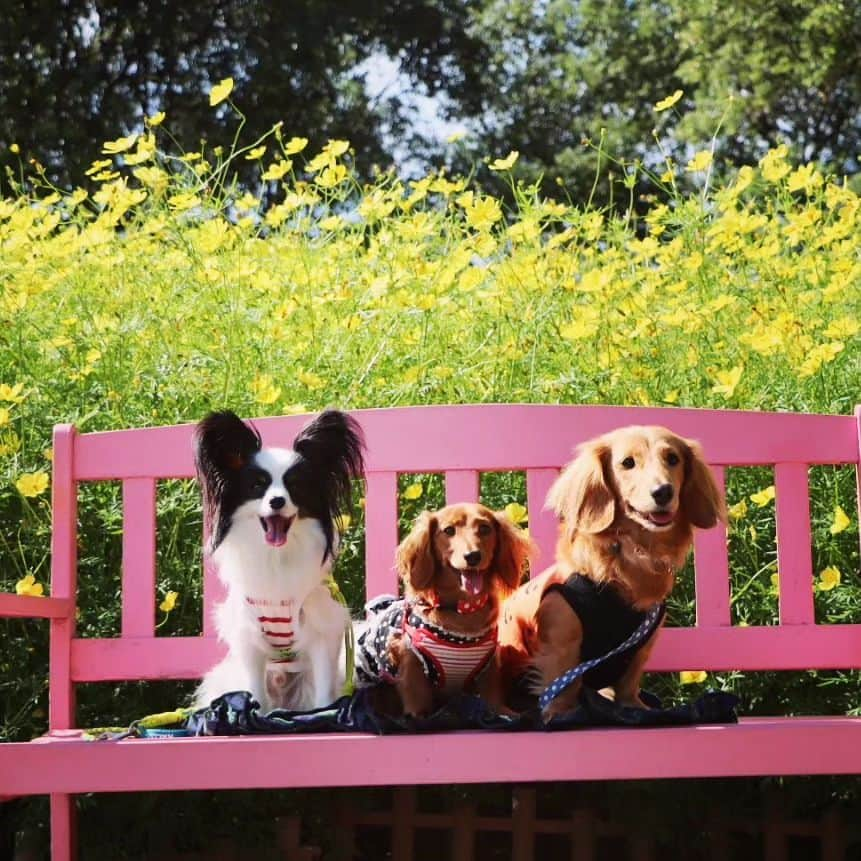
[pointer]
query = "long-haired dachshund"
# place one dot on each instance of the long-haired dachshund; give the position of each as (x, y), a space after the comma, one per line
(456, 566)
(628, 504)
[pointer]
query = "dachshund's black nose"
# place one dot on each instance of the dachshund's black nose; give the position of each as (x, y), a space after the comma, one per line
(663, 494)
(472, 559)
(277, 503)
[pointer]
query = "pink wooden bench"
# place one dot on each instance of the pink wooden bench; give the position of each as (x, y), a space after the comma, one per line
(461, 442)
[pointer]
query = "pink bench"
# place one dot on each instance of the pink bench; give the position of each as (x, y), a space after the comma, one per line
(461, 442)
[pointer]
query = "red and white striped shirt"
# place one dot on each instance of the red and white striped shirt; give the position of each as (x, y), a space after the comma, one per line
(276, 625)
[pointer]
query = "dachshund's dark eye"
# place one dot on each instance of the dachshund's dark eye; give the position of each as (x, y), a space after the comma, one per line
(628, 463)
(672, 458)
(484, 529)
(449, 530)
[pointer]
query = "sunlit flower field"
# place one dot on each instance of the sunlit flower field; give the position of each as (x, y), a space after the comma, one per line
(164, 288)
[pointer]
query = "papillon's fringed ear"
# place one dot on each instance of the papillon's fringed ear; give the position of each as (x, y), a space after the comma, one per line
(334, 443)
(223, 444)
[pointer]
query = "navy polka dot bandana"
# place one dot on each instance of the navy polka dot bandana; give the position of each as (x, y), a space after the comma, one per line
(643, 632)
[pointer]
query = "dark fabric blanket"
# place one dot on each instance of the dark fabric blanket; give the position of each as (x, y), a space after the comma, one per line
(238, 714)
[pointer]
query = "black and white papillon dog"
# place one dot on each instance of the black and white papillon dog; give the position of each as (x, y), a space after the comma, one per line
(271, 514)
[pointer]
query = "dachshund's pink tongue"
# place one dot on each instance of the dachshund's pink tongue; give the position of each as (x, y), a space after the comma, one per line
(276, 528)
(661, 518)
(472, 581)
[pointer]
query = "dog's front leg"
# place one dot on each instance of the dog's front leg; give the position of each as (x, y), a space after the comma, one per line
(627, 689)
(490, 687)
(559, 636)
(414, 686)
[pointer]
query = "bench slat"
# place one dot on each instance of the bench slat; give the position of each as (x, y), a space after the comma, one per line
(381, 533)
(461, 485)
(765, 647)
(64, 576)
(139, 553)
(754, 746)
(523, 436)
(794, 555)
(711, 568)
(543, 526)
(34, 607)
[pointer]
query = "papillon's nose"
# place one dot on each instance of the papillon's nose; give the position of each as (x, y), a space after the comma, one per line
(472, 558)
(663, 494)
(277, 503)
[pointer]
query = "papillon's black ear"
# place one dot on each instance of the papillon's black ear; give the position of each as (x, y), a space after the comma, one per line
(334, 443)
(223, 444)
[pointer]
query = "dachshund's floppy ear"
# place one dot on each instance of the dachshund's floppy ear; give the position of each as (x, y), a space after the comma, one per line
(513, 548)
(700, 498)
(581, 495)
(414, 558)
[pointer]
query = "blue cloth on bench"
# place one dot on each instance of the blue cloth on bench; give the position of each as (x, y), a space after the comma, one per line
(238, 713)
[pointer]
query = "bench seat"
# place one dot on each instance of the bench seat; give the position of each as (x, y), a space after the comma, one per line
(755, 746)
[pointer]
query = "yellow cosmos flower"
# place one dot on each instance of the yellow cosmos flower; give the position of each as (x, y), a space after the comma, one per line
(840, 522)
(14, 149)
(220, 92)
(28, 586)
(119, 145)
(183, 201)
(483, 213)
(775, 579)
(764, 496)
(692, 677)
(727, 381)
(155, 119)
(668, 102)
(32, 484)
(293, 409)
(845, 327)
(5, 416)
(256, 153)
(264, 389)
(773, 164)
(414, 491)
(277, 169)
(12, 393)
(700, 162)
(336, 148)
(505, 163)
(516, 512)
(829, 578)
(737, 511)
(169, 602)
(295, 145)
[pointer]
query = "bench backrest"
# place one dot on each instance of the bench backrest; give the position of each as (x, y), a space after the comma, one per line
(461, 442)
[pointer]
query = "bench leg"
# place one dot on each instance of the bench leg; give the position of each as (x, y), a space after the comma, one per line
(64, 836)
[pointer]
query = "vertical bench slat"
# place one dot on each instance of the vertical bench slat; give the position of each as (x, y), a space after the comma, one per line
(711, 568)
(381, 532)
(543, 526)
(461, 485)
(64, 577)
(794, 556)
(858, 467)
(139, 539)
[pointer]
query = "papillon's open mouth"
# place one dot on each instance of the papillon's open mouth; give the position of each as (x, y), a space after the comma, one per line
(276, 527)
(472, 581)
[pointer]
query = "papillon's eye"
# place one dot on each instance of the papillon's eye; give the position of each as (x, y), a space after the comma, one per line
(260, 482)
(449, 530)
(484, 529)
(628, 463)
(672, 458)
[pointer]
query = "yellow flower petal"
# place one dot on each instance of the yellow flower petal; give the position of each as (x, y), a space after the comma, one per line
(414, 491)
(737, 511)
(505, 163)
(516, 512)
(763, 497)
(829, 578)
(220, 92)
(32, 484)
(700, 162)
(841, 521)
(169, 602)
(668, 102)
(295, 145)
(28, 586)
(155, 119)
(692, 677)
(119, 145)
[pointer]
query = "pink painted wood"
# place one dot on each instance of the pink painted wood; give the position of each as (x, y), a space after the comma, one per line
(461, 442)
(138, 612)
(543, 526)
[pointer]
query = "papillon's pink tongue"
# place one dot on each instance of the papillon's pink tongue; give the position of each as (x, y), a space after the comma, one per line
(472, 581)
(276, 528)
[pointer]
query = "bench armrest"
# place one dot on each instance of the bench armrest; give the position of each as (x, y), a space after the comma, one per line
(28, 606)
